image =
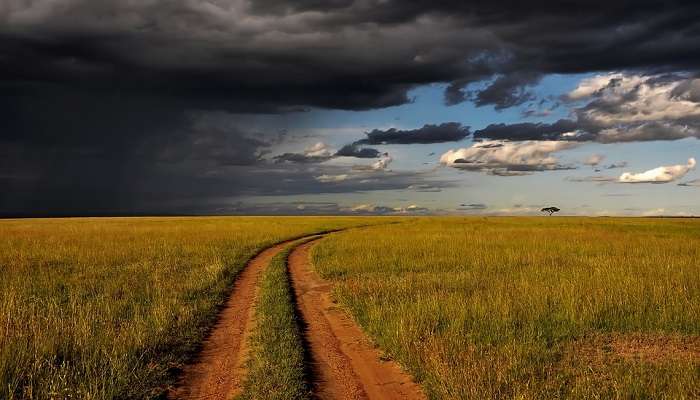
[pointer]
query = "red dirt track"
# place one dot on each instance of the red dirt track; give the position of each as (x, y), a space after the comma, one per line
(345, 365)
(217, 373)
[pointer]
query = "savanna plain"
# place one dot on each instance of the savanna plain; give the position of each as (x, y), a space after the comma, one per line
(471, 307)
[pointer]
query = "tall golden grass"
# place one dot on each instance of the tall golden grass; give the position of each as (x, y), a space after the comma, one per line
(529, 308)
(110, 308)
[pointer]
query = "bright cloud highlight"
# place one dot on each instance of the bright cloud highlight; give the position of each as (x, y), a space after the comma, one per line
(508, 158)
(663, 174)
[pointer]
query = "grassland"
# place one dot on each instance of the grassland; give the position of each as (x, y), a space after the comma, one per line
(529, 308)
(475, 307)
(109, 308)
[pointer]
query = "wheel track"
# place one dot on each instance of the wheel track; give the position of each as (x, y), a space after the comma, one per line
(344, 363)
(217, 372)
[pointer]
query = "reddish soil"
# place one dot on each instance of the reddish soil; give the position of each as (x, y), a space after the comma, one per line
(345, 365)
(218, 371)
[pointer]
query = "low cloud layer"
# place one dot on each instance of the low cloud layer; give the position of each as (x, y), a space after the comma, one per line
(379, 209)
(508, 158)
(472, 207)
(278, 208)
(318, 152)
(321, 152)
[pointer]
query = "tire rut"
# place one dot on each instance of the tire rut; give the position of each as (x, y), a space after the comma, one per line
(344, 363)
(218, 371)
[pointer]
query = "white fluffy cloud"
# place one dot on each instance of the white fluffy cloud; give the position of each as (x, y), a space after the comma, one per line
(631, 107)
(319, 149)
(635, 98)
(382, 163)
(591, 86)
(663, 174)
(508, 158)
(618, 107)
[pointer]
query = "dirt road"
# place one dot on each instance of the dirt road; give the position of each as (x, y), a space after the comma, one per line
(345, 365)
(217, 373)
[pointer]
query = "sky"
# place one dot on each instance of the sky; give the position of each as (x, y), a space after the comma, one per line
(349, 107)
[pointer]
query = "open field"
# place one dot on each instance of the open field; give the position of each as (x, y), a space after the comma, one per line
(473, 308)
(528, 308)
(109, 308)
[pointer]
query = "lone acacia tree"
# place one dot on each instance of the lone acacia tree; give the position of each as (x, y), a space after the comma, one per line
(550, 210)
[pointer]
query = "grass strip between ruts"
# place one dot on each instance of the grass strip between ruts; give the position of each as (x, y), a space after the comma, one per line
(276, 365)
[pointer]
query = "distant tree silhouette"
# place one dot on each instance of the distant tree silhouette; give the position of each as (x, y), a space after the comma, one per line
(550, 210)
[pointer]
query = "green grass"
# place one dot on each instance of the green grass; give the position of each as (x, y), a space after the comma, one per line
(276, 368)
(529, 308)
(108, 308)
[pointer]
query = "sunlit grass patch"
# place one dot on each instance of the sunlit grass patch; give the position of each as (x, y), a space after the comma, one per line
(489, 307)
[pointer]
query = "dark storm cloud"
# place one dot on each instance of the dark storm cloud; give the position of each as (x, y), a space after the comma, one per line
(96, 96)
(267, 54)
(354, 150)
(208, 139)
(193, 186)
(126, 170)
(447, 132)
(527, 131)
(507, 91)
